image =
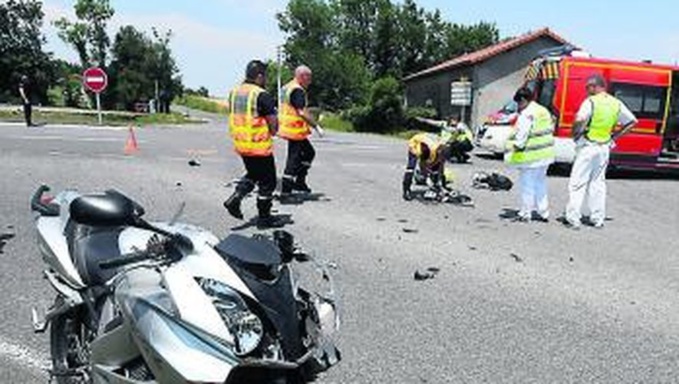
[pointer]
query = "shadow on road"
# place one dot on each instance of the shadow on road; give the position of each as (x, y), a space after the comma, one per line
(301, 199)
(252, 223)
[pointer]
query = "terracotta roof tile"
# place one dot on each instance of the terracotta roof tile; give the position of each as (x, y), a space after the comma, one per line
(488, 52)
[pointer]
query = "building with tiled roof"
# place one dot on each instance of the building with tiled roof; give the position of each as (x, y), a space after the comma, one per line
(494, 72)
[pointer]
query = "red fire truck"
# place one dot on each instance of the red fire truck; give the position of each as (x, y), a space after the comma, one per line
(650, 91)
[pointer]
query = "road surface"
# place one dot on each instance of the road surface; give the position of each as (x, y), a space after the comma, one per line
(513, 303)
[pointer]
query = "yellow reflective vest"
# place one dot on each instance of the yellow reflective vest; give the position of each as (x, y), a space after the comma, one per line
(540, 143)
(292, 125)
(416, 143)
(605, 112)
(249, 131)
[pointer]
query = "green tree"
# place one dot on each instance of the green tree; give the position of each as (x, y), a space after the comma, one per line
(21, 49)
(312, 39)
(134, 56)
(88, 35)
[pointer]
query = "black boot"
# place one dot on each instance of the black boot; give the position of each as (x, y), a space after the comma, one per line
(301, 185)
(265, 219)
(287, 186)
(233, 205)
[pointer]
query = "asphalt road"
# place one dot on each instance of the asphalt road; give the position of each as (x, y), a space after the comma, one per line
(599, 306)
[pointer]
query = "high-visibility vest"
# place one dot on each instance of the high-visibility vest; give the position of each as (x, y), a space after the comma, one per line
(292, 125)
(605, 112)
(249, 131)
(431, 141)
(457, 134)
(540, 143)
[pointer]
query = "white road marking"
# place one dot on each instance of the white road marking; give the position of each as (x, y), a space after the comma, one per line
(23, 356)
(65, 138)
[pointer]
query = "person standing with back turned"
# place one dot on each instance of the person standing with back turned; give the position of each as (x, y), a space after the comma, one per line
(296, 123)
(594, 136)
(252, 124)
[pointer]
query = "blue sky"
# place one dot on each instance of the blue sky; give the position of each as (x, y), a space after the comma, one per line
(214, 39)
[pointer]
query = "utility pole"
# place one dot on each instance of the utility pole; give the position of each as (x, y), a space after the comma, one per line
(279, 61)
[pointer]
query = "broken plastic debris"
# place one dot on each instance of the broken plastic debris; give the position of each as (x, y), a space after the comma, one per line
(4, 238)
(429, 274)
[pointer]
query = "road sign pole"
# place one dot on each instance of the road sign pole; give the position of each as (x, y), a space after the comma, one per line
(278, 77)
(99, 107)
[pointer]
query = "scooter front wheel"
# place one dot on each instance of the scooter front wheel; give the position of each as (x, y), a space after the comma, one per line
(70, 348)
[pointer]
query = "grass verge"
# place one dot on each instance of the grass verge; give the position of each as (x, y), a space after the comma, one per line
(204, 104)
(90, 118)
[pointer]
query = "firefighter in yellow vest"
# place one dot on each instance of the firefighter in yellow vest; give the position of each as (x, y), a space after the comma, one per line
(252, 124)
(594, 134)
(296, 125)
(455, 133)
(429, 152)
(531, 150)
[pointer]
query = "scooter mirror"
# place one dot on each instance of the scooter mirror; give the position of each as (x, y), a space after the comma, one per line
(108, 210)
(286, 244)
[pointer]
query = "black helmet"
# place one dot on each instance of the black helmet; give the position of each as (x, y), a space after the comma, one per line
(254, 69)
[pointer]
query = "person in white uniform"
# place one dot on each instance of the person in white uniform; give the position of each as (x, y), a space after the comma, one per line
(594, 132)
(531, 149)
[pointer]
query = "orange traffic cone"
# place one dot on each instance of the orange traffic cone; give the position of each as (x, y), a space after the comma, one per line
(131, 146)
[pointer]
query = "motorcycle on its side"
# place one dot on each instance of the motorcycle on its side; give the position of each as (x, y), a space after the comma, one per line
(140, 302)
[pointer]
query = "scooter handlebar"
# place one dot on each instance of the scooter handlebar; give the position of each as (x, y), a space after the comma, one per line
(38, 206)
(124, 260)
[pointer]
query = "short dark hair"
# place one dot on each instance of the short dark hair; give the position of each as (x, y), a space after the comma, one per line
(524, 93)
(254, 69)
(596, 80)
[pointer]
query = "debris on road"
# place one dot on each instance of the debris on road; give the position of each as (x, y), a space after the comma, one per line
(472, 248)
(492, 181)
(381, 219)
(572, 260)
(516, 257)
(4, 238)
(429, 274)
(402, 221)
(179, 184)
(410, 230)
(194, 163)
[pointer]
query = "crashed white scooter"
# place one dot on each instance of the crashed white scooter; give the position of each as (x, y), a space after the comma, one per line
(170, 303)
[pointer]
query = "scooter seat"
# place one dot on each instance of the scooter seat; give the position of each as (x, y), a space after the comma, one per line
(260, 257)
(89, 246)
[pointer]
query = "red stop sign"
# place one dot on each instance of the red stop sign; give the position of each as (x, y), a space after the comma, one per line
(95, 79)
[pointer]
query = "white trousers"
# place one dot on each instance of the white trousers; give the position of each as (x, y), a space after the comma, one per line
(533, 184)
(587, 185)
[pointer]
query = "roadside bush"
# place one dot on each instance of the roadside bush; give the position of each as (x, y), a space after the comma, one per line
(384, 113)
(411, 115)
(335, 122)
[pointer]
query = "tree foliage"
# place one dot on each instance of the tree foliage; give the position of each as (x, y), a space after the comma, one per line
(352, 44)
(138, 62)
(21, 49)
(88, 34)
